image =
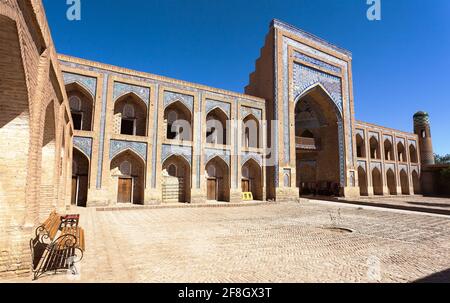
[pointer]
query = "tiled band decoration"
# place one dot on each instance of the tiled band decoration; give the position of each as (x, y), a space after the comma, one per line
(101, 147)
(247, 111)
(83, 144)
(305, 77)
(118, 147)
(88, 83)
(255, 156)
(213, 104)
(122, 89)
(317, 62)
(363, 165)
(174, 150)
(212, 153)
(187, 100)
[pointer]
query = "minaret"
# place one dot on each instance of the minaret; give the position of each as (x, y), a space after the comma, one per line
(423, 130)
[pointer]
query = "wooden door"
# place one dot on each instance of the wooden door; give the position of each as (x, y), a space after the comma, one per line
(74, 190)
(212, 189)
(245, 186)
(125, 190)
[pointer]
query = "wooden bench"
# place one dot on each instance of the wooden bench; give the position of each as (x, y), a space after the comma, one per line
(59, 244)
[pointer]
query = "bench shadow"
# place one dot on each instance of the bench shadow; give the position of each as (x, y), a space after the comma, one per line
(439, 277)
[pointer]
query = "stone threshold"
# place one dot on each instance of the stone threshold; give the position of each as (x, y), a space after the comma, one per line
(184, 205)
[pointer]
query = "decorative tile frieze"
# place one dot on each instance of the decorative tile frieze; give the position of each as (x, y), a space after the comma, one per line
(403, 167)
(101, 144)
(415, 168)
(246, 111)
(176, 150)
(298, 32)
(346, 153)
(88, 83)
(387, 137)
(211, 153)
(413, 143)
(362, 164)
(84, 144)
(317, 62)
(255, 156)
(224, 106)
(171, 97)
(361, 133)
(374, 135)
(118, 146)
(121, 89)
(400, 140)
(390, 166)
(305, 77)
(374, 165)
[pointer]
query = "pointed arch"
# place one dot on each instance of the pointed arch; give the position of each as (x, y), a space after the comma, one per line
(251, 132)
(180, 127)
(80, 177)
(218, 180)
(401, 152)
(413, 154)
(374, 148)
(15, 130)
(176, 188)
(48, 164)
(388, 150)
(316, 111)
(82, 112)
(252, 179)
(217, 127)
(130, 187)
(362, 177)
(360, 146)
(135, 125)
(416, 182)
(391, 181)
(215, 108)
(377, 182)
(318, 86)
(404, 181)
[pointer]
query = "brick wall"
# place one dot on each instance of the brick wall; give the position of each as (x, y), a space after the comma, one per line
(29, 81)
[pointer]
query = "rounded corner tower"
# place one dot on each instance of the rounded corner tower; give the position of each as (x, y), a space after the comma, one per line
(422, 128)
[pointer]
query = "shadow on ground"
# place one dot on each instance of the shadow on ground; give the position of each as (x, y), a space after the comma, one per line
(440, 277)
(429, 204)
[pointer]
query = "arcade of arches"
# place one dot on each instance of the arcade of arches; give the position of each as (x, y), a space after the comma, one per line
(67, 140)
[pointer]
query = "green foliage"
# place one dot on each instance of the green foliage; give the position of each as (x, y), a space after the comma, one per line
(441, 159)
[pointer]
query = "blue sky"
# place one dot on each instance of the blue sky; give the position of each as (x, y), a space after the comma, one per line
(401, 64)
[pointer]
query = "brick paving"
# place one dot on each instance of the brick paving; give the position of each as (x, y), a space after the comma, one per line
(286, 242)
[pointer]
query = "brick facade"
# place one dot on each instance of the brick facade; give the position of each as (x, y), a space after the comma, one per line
(79, 132)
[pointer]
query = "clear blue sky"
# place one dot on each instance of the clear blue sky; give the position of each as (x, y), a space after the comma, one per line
(401, 64)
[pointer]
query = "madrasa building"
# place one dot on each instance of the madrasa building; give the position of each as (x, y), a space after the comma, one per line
(80, 133)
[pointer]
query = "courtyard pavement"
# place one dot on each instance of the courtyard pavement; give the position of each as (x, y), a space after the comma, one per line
(416, 203)
(281, 242)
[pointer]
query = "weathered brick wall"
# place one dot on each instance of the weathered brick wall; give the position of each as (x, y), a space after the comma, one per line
(29, 80)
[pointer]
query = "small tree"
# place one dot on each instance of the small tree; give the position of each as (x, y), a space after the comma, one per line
(442, 159)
